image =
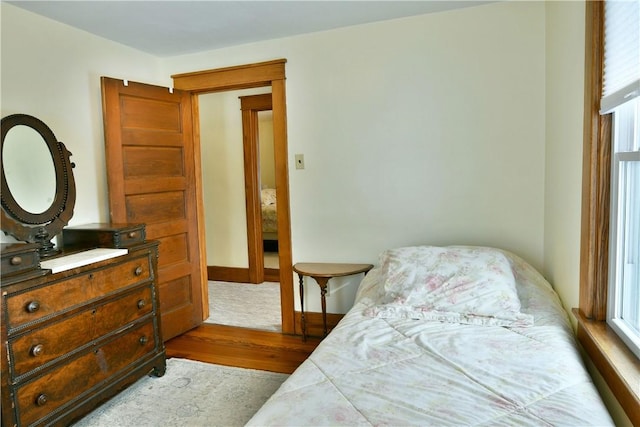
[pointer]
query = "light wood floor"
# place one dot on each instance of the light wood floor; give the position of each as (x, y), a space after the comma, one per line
(242, 347)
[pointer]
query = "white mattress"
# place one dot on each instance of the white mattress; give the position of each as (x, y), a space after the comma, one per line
(373, 371)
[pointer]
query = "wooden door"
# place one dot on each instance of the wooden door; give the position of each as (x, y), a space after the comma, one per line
(152, 173)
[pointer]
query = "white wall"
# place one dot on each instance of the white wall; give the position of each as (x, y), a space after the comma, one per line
(424, 130)
(52, 71)
(267, 150)
(223, 180)
(563, 161)
(222, 152)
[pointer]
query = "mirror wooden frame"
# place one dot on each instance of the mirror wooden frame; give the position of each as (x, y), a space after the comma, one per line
(39, 227)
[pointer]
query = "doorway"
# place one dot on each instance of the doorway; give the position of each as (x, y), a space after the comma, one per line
(232, 187)
(238, 163)
(265, 74)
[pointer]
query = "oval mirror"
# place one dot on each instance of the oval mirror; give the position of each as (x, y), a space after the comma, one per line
(38, 189)
(33, 188)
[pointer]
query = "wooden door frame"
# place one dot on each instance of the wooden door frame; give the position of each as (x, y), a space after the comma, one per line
(250, 106)
(270, 73)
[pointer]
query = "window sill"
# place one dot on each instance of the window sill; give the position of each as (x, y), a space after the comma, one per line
(617, 364)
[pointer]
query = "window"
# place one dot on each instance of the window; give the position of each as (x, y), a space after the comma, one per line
(623, 312)
(620, 97)
(608, 325)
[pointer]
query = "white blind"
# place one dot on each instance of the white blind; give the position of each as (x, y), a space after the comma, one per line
(621, 80)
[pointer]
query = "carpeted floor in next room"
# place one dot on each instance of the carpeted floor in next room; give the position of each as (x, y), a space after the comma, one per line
(247, 305)
(190, 394)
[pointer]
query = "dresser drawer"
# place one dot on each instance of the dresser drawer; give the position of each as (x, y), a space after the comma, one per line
(46, 344)
(61, 386)
(19, 257)
(74, 291)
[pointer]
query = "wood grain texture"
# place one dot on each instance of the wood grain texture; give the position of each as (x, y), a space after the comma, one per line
(617, 364)
(199, 195)
(596, 173)
(270, 73)
(250, 106)
(88, 332)
(251, 151)
(66, 294)
(285, 256)
(229, 78)
(329, 270)
(228, 274)
(78, 330)
(152, 163)
(242, 347)
(62, 384)
(239, 275)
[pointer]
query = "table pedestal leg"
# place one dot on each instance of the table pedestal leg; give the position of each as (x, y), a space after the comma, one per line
(322, 281)
(303, 323)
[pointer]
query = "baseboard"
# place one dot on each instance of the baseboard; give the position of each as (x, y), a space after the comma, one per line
(239, 275)
(271, 275)
(315, 327)
(228, 274)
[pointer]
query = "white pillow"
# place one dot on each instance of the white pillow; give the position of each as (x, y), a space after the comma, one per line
(472, 285)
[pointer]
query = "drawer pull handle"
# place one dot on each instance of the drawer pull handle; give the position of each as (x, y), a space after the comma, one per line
(37, 350)
(131, 234)
(138, 271)
(141, 303)
(41, 400)
(143, 340)
(16, 260)
(33, 306)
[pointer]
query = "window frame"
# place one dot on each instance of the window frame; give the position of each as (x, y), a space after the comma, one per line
(617, 229)
(619, 367)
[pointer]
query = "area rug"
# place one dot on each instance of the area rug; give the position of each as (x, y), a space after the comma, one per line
(246, 305)
(190, 394)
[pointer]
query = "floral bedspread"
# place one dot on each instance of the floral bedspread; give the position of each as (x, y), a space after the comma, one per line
(376, 371)
(269, 219)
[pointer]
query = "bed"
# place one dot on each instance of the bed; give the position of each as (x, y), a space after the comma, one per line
(444, 336)
(269, 219)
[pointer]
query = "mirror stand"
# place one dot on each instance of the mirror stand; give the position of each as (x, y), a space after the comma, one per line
(27, 146)
(47, 248)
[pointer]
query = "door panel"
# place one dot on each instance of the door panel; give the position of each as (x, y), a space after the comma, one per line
(151, 174)
(166, 159)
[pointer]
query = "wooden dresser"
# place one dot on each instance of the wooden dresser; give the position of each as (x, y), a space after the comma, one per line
(71, 340)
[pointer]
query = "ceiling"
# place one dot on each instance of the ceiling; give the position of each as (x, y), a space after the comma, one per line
(174, 27)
